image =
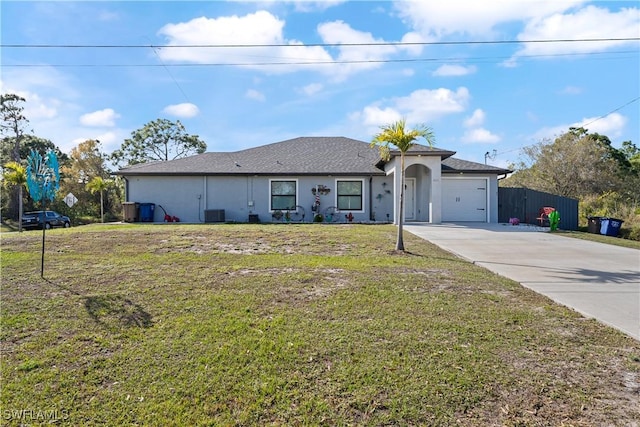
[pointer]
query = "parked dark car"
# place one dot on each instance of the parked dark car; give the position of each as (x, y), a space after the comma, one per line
(52, 219)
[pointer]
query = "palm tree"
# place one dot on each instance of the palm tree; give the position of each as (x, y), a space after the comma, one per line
(16, 174)
(98, 184)
(397, 135)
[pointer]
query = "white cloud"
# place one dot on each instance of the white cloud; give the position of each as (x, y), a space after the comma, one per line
(312, 6)
(474, 17)
(260, 28)
(100, 118)
(476, 119)
(44, 80)
(454, 70)
(105, 138)
(254, 94)
(110, 140)
(279, 54)
(376, 116)
(611, 125)
(264, 27)
(425, 105)
(420, 106)
(301, 5)
(590, 22)
(532, 117)
(543, 20)
(108, 16)
(413, 39)
(185, 110)
(39, 108)
(571, 90)
(477, 134)
(257, 28)
(480, 136)
(338, 32)
(53, 108)
(35, 106)
(312, 89)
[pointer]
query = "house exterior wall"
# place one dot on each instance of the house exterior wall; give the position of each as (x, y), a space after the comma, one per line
(382, 200)
(178, 195)
(493, 198)
(187, 197)
(233, 194)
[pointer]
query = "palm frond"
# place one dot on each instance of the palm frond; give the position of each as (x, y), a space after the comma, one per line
(397, 135)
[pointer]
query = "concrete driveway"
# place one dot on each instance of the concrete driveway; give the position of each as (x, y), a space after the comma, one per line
(598, 280)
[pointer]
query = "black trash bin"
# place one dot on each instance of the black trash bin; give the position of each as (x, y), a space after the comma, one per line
(594, 224)
(610, 226)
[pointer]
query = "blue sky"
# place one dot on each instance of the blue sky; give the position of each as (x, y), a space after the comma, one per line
(477, 97)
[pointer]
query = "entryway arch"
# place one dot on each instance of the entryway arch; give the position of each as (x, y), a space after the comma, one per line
(418, 204)
(426, 170)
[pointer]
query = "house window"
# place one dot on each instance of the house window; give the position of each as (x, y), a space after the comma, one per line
(349, 195)
(283, 195)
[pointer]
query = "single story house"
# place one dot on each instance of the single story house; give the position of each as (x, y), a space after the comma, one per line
(338, 177)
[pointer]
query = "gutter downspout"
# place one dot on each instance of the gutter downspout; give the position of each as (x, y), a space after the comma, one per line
(126, 189)
(371, 215)
(204, 202)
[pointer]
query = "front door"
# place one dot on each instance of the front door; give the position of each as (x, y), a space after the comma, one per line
(409, 198)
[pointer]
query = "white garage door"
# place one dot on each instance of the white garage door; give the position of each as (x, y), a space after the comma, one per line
(464, 199)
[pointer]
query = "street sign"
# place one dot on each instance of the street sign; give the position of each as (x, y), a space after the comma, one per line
(70, 199)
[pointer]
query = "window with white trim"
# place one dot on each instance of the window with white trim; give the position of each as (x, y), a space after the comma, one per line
(349, 195)
(283, 194)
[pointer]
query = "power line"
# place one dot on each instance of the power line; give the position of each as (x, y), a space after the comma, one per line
(467, 60)
(611, 112)
(584, 125)
(436, 43)
(171, 75)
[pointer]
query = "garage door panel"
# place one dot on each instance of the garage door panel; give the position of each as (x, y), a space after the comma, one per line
(464, 200)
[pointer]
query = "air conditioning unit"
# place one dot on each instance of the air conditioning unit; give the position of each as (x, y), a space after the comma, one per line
(214, 215)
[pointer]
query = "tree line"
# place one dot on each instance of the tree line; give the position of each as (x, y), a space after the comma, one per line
(585, 166)
(86, 170)
(577, 164)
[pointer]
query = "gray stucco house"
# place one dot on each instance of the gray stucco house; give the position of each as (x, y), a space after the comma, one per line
(317, 175)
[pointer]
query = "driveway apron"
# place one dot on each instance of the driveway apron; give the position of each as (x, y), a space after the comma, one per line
(598, 280)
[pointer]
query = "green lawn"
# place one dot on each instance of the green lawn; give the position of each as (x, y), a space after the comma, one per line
(288, 324)
(609, 240)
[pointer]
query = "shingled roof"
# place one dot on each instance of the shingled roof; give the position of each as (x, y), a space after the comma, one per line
(298, 156)
(425, 150)
(453, 165)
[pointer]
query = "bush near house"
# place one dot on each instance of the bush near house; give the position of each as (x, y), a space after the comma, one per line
(612, 204)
